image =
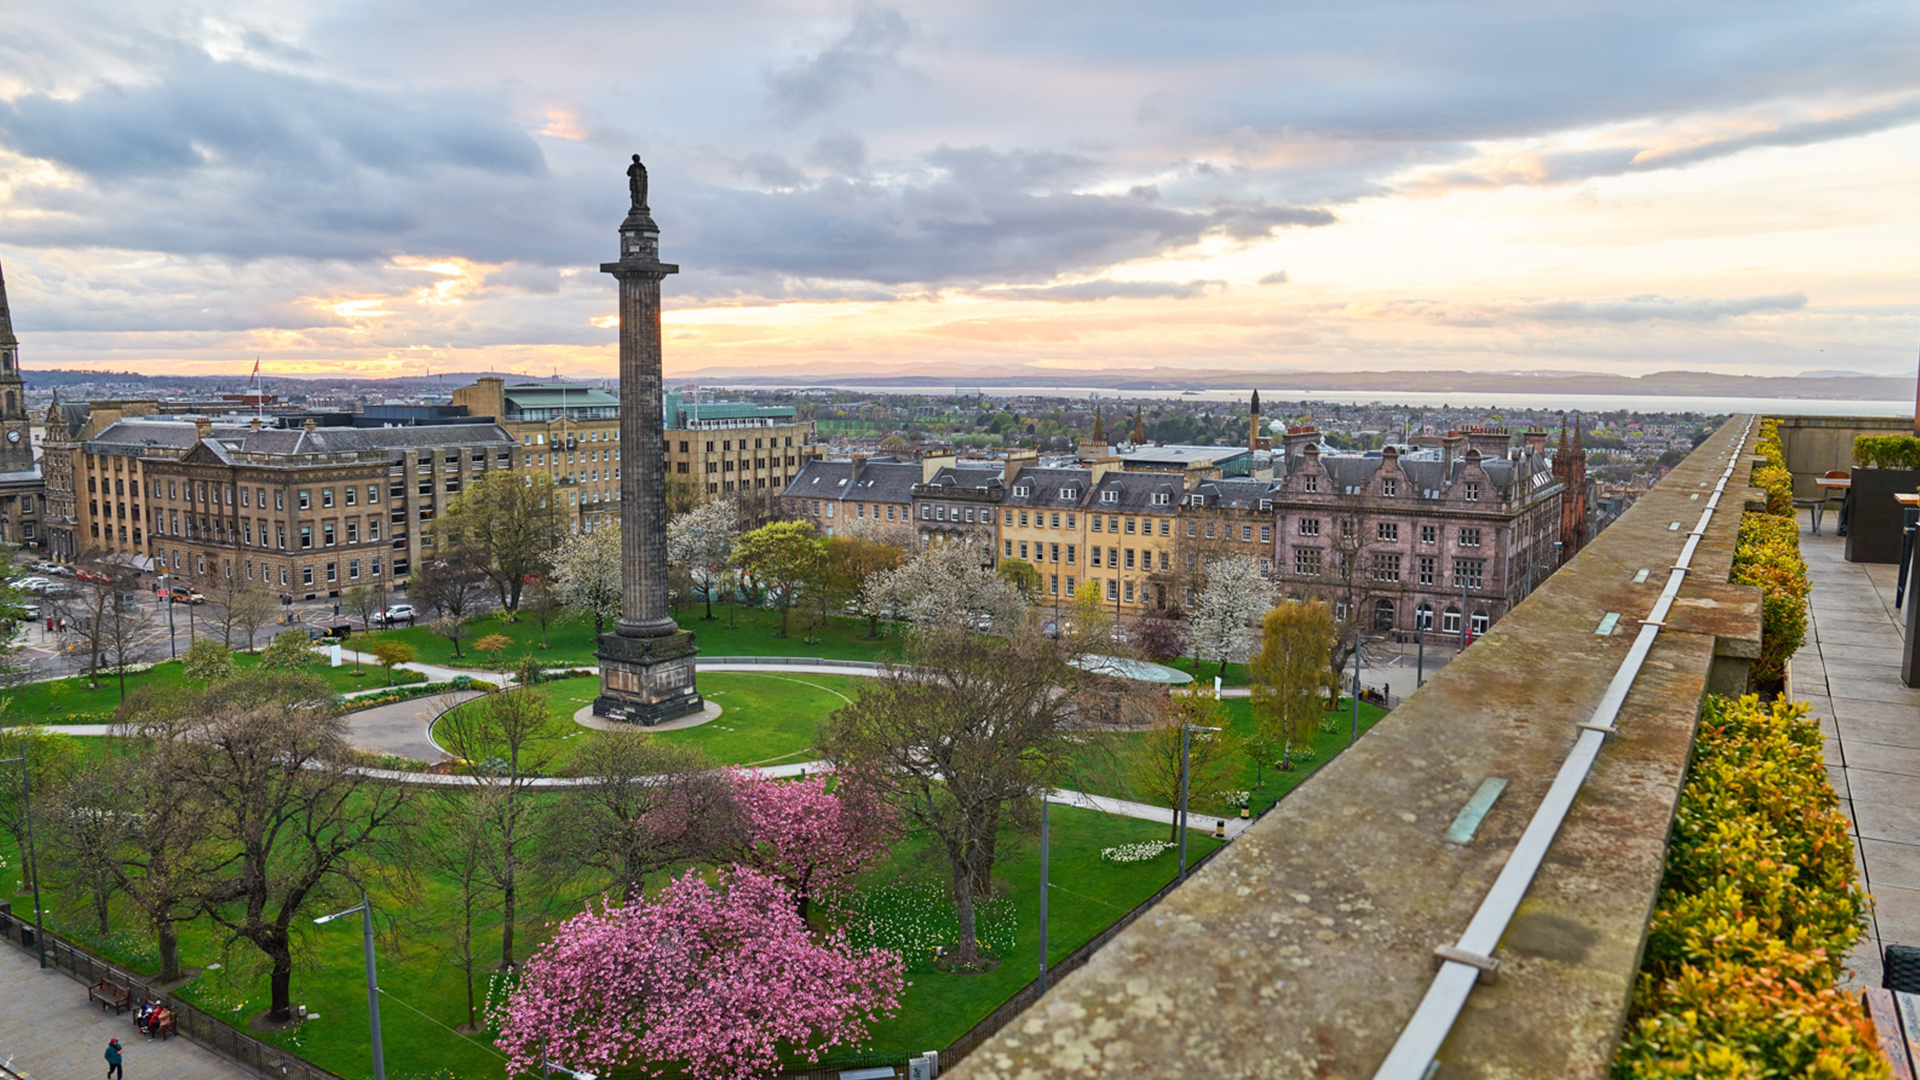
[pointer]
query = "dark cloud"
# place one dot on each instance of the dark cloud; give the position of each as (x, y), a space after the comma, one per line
(978, 216)
(839, 151)
(1278, 277)
(1089, 291)
(853, 64)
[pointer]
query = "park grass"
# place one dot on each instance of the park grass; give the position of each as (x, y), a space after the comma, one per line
(70, 701)
(734, 631)
(423, 998)
(1089, 893)
(1104, 767)
(767, 718)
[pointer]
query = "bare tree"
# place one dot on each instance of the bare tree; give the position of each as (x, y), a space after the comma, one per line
(455, 842)
(652, 805)
(964, 736)
(239, 608)
(509, 739)
(1188, 748)
(543, 606)
(287, 814)
(363, 602)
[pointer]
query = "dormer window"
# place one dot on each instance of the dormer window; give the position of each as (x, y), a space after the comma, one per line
(1473, 491)
(1196, 500)
(1389, 487)
(1311, 484)
(1266, 505)
(1109, 496)
(1022, 491)
(1161, 498)
(1069, 493)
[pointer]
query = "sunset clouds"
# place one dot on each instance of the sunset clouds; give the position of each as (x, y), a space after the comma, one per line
(386, 187)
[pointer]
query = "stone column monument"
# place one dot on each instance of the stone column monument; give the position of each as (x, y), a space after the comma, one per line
(646, 663)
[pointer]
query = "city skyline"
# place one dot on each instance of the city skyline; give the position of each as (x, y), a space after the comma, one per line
(376, 191)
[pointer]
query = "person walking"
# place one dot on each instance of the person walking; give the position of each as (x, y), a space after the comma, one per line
(113, 1060)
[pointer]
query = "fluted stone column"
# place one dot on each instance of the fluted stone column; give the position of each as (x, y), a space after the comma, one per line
(646, 663)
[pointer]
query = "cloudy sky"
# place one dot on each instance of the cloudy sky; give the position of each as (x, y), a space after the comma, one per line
(404, 185)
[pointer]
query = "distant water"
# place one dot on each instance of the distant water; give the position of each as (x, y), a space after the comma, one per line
(1545, 402)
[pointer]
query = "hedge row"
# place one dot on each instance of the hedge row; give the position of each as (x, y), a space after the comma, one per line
(1771, 475)
(1767, 554)
(1756, 914)
(1887, 451)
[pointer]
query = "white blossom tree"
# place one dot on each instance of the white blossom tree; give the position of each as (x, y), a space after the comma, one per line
(588, 571)
(1229, 606)
(700, 543)
(943, 585)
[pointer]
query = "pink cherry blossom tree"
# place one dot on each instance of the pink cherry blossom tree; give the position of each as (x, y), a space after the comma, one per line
(716, 976)
(814, 841)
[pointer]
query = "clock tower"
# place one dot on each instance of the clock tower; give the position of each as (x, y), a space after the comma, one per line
(16, 444)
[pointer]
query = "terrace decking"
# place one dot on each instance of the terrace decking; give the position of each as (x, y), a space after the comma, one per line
(1849, 670)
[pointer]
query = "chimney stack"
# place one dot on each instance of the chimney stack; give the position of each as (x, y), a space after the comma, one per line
(202, 428)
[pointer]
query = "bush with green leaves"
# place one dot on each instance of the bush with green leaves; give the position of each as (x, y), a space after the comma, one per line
(1757, 911)
(1767, 555)
(289, 651)
(208, 660)
(1887, 451)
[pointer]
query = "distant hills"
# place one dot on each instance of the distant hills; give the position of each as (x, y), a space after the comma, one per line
(1822, 385)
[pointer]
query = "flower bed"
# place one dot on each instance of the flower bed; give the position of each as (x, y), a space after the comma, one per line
(918, 921)
(1755, 916)
(1140, 852)
(391, 694)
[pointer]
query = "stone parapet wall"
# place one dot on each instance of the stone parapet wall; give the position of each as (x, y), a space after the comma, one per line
(1303, 949)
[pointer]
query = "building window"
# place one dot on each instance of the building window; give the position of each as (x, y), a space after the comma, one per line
(326, 498)
(1209, 530)
(353, 532)
(1129, 558)
(1113, 590)
(1129, 526)
(1070, 551)
(1469, 573)
(1386, 566)
(1110, 496)
(1450, 621)
(1309, 526)
(1479, 622)
(375, 568)
(1054, 554)
(1346, 528)
(1429, 534)
(1009, 549)
(1389, 487)
(306, 536)
(1096, 555)
(1473, 490)
(1246, 532)
(1266, 534)
(333, 573)
(1311, 484)
(353, 495)
(1099, 523)
(1469, 537)
(306, 575)
(1070, 525)
(353, 570)
(1306, 562)
(1423, 616)
(305, 502)
(1023, 549)
(926, 512)
(1386, 530)
(1428, 569)
(326, 532)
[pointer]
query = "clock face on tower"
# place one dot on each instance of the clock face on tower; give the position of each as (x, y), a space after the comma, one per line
(13, 436)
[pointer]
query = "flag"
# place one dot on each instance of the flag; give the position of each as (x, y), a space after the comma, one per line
(256, 372)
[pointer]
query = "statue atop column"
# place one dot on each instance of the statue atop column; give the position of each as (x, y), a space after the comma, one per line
(637, 183)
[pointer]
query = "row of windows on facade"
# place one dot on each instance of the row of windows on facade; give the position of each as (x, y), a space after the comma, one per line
(1111, 557)
(729, 464)
(726, 445)
(198, 565)
(1389, 531)
(1386, 568)
(1390, 488)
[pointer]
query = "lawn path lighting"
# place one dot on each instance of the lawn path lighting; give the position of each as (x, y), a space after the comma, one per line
(365, 908)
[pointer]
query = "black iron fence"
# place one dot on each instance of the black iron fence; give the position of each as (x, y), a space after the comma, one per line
(202, 1029)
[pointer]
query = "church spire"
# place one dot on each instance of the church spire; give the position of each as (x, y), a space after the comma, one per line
(1139, 427)
(1099, 427)
(6, 319)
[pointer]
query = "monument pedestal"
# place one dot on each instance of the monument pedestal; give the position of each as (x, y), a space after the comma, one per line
(647, 680)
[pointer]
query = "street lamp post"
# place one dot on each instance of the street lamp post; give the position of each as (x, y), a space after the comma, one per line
(166, 586)
(1186, 731)
(1045, 885)
(33, 864)
(365, 908)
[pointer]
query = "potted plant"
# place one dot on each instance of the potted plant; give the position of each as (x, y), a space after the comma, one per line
(1883, 466)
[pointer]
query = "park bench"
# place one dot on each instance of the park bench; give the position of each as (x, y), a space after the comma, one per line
(117, 998)
(164, 1024)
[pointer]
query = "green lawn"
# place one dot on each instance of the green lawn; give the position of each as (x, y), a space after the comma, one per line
(1105, 767)
(765, 719)
(69, 701)
(1089, 893)
(423, 997)
(753, 632)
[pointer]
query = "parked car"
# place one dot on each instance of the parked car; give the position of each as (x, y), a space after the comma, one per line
(396, 613)
(190, 597)
(32, 584)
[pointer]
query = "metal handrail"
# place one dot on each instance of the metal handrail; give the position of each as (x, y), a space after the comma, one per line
(1413, 1052)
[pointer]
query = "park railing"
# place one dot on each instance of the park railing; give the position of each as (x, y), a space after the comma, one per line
(200, 1028)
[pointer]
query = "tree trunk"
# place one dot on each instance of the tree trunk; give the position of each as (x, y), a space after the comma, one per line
(169, 941)
(784, 611)
(967, 952)
(507, 898)
(982, 861)
(280, 981)
(100, 897)
(873, 625)
(707, 594)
